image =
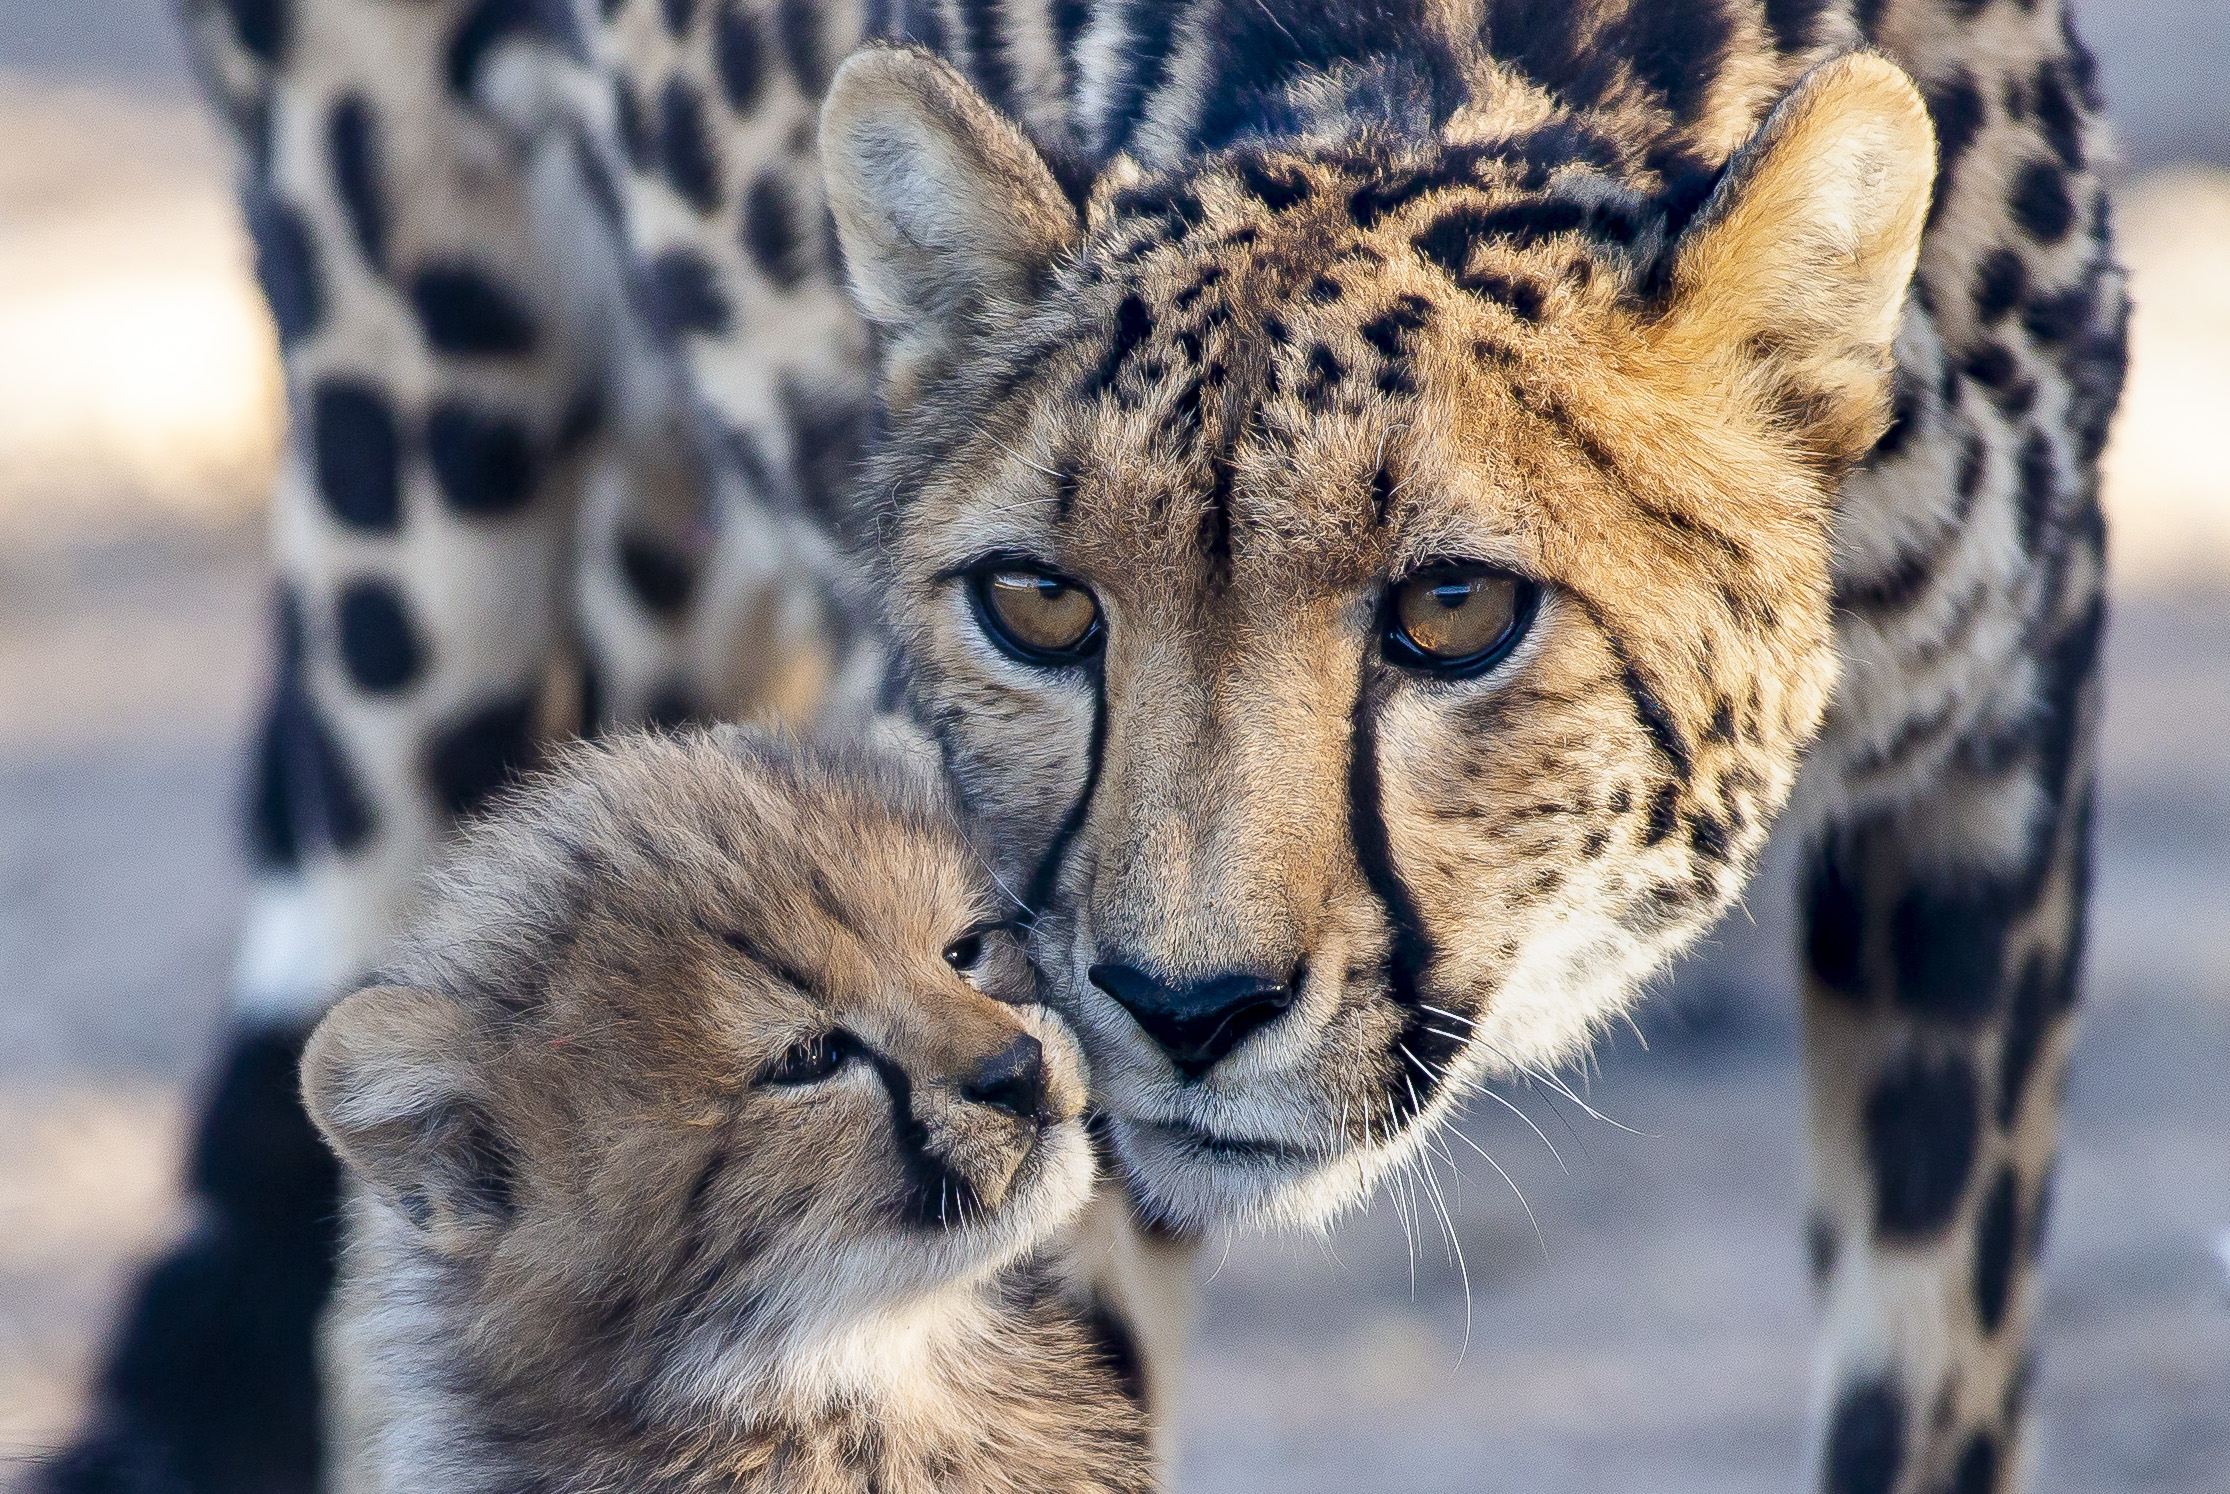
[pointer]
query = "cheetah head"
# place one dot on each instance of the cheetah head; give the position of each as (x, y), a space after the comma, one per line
(704, 1067)
(1375, 594)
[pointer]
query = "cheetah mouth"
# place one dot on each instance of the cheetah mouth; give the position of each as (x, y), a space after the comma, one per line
(1188, 1142)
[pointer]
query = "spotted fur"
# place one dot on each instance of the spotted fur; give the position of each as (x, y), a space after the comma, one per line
(612, 1229)
(1234, 309)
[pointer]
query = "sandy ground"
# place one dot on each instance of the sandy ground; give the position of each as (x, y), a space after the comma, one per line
(1652, 1335)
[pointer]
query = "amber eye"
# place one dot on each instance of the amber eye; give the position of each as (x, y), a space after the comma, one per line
(1036, 617)
(1457, 619)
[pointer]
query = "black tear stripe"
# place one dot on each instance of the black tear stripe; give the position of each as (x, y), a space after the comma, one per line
(935, 1197)
(1428, 1043)
(1044, 881)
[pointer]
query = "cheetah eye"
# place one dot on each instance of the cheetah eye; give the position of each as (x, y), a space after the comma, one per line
(814, 1059)
(964, 952)
(1034, 615)
(1457, 619)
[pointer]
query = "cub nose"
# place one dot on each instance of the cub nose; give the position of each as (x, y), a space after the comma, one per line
(1197, 1024)
(1012, 1079)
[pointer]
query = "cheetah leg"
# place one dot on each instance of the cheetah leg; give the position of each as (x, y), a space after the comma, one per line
(1942, 949)
(421, 527)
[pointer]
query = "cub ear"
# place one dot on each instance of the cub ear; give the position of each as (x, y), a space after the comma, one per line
(947, 213)
(388, 1077)
(1797, 264)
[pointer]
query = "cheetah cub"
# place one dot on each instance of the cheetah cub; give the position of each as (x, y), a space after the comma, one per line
(710, 1138)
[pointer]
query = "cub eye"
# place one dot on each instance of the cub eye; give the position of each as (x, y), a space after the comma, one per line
(1457, 619)
(1036, 617)
(964, 952)
(813, 1060)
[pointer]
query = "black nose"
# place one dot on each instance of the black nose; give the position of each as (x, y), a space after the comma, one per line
(1012, 1079)
(1196, 1024)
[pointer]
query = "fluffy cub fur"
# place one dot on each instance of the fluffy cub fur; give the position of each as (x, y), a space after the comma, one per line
(711, 1138)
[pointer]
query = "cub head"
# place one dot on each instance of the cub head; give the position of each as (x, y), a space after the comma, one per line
(1374, 592)
(707, 1053)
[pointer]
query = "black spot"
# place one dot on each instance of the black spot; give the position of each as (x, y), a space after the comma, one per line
(1992, 365)
(1133, 325)
(1709, 837)
(828, 432)
(2037, 1001)
(685, 152)
(263, 27)
(1525, 298)
(1949, 943)
(1112, 1337)
(1977, 1469)
(770, 229)
(1922, 1124)
(379, 647)
(2056, 111)
(286, 265)
(484, 462)
(1389, 331)
(1820, 1246)
(680, 292)
(1904, 414)
(1324, 290)
(358, 455)
(670, 707)
(2039, 492)
(462, 311)
(472, 758)
(303, 793)
(635, 135)
(1973, 466)
(2000, 281)
(1275, 187)
(661, 578)
(2040, 202)
(1956, 105)
(2062, 320)
(987, 64)
(1997, 1232)
(1866, 1439)
(679, 15)
(1791, 21)
(352, 146)
(1324, 371)
(493, 21)
(797, 24)
(1663, 816)
(739, 52)
(1679, 50)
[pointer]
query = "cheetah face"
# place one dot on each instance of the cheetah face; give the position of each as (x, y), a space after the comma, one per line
(722, 1038)
(1374, 597)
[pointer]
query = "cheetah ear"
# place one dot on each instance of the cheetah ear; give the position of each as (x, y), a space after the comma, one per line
(388, 1078)
(1792, 277)
(948, 215)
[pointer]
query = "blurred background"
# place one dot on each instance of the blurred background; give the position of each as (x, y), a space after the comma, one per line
(1652, 1335)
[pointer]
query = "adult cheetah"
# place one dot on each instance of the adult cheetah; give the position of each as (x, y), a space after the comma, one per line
(1372, 501)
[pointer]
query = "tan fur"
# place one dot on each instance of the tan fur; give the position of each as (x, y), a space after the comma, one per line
(1587, 451)
(598, 1245)
(1758, 518)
